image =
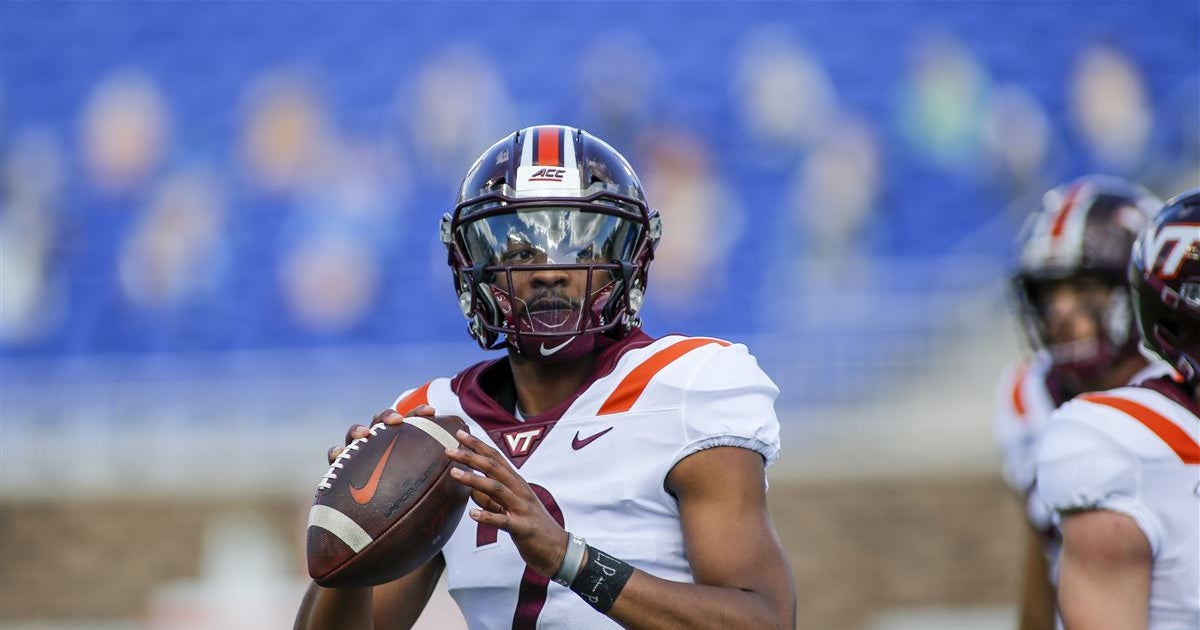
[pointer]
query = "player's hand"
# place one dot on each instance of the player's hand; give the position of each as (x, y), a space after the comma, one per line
(507, 502)
(387, 416)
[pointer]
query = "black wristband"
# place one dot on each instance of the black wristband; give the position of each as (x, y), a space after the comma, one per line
(601, 579)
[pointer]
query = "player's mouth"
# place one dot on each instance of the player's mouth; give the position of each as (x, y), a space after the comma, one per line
(551, 303)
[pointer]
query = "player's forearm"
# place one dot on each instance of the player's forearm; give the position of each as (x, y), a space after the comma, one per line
(335, 608)
(1037, 593)
(1095, 609)
(648, 602)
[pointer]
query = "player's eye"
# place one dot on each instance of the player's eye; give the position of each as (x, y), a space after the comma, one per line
(519, 255)
(587, 254)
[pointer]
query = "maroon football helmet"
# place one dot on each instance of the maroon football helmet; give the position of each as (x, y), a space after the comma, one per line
(1083, 232)
(1164, 273)
(550, 198)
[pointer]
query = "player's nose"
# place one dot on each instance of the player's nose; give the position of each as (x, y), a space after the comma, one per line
(545, 278)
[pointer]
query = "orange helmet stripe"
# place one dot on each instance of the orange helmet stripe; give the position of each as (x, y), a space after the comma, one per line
(547, 147)
(1068, 203)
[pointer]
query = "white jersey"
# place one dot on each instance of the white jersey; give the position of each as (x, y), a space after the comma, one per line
(599, 463)
(1024, 404)
(1136, 451)
(1026, 400)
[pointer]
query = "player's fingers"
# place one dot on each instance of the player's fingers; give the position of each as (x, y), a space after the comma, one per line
(425, 411)
(495, 490)
(332, 453)
(356, 431)
(485, 502)
(499, 521)
(387, 416)
(491, 466)
(474, 443)
(494, 464)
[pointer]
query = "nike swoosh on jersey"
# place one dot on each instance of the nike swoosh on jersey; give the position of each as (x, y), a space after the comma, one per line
(549, 351)
(578, 443)
(363, 495)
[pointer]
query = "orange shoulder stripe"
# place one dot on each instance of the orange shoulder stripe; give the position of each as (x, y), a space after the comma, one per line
(1184, 446)
(1018, 393)
(634, 383)
(419, 396)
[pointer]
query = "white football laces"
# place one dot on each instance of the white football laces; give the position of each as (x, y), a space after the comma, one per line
(331, 474)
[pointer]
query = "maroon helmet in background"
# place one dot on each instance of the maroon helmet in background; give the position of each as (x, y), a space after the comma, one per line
(1164, 274)
(1084, 230)
(550, 197)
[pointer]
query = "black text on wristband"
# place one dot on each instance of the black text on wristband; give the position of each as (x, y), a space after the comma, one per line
(601, 579)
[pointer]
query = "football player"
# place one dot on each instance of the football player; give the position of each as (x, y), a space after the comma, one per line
(1121, 468)
(620, 477)
(1073, 302)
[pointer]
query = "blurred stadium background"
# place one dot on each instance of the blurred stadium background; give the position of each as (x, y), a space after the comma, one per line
(218, 249)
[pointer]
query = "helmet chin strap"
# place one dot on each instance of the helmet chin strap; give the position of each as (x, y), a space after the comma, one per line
(555, 349)
(532, 342)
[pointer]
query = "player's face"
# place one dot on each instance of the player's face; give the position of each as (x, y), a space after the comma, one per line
(549, 257)
(547, 289)
(1071, 310)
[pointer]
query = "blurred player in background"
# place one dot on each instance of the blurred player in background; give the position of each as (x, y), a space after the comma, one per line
(1073, 301)
(653, 450)
(1121, 469)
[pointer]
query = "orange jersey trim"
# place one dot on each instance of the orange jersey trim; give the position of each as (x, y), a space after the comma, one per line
(634, 383)
(1184, 446)
(1018, 392)
(419, 397)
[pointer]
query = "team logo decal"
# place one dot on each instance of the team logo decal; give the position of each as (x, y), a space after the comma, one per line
(1165, 250)
(547, 178)
(519, 443)
(548, 175)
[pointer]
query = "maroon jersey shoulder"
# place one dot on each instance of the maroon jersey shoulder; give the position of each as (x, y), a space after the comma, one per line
(1175, 391)
(481, 387)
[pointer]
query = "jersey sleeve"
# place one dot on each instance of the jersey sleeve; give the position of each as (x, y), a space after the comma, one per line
(411, 399)
(727, 400)
(1082, 468)
(1016, 438)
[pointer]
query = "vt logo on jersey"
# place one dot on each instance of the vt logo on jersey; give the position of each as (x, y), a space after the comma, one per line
(1170, 245)
(521, 442)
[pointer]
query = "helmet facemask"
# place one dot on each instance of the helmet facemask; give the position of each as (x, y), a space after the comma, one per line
(1082, 236)
(554, 278)
(1079, 363)
(1169, 319)
(1164, 274)
(550, 241)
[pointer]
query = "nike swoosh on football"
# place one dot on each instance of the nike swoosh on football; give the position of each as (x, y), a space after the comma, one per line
(363, 495)
(578, 443)
(547, 352)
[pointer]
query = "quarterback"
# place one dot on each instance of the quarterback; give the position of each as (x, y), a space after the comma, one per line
(619, 478)
(1073, 302)
(1121, 469)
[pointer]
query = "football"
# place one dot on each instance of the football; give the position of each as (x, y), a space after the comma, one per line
(387, 504)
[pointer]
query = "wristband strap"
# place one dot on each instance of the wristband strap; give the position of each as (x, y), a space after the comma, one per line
(601, 579)
(572, 560)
